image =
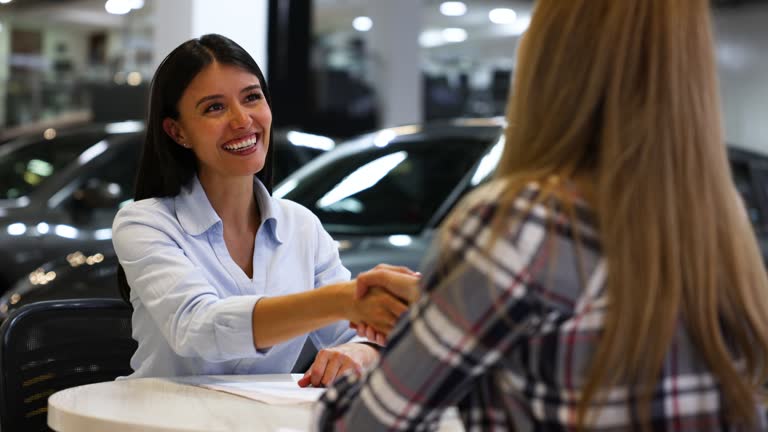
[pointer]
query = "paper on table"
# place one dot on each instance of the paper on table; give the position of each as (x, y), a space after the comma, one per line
(275, 392)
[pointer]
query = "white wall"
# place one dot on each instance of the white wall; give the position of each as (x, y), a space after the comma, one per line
(396, 59)
(244, 21)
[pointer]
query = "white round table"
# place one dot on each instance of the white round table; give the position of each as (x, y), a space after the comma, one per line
(162, 404)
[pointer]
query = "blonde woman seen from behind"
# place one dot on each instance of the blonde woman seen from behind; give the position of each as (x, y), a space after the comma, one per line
(608, 279)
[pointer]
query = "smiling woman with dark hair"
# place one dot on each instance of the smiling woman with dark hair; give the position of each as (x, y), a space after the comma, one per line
(224, 278)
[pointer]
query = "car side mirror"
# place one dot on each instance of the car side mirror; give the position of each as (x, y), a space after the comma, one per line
(96, 194)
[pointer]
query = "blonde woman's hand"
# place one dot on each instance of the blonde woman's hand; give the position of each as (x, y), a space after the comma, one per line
(366, 331)
(332, 363)
(399, 281)
(378, 309)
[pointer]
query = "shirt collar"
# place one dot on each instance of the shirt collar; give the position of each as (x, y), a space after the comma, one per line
(196, 215)
(271, 212)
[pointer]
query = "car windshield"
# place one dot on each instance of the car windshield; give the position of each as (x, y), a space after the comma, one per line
(29, 166)
(387, 190)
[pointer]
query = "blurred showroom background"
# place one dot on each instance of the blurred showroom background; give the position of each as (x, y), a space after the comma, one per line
(336, 67)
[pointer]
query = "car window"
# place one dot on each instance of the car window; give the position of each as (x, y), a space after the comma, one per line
(27, 167)
(289, 158)
(743, 181)
(386, 190)
(115, 170)
(120, 170)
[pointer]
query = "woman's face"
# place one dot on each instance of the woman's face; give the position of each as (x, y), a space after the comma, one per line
(225, 120)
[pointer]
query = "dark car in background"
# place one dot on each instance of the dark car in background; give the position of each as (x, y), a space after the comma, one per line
(382, 196)
(59, 193)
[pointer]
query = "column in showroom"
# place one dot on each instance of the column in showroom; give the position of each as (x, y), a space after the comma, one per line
(244, 21)
(396, 60)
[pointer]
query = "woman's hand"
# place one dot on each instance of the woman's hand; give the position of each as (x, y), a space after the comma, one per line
(378, 309)
(366, 331)
(399, 281)
(333, 362)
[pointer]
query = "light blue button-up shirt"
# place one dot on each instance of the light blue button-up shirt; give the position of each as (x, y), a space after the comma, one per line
(193, 304)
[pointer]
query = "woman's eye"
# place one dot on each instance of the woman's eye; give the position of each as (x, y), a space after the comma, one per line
(253, 97)
(214, 107)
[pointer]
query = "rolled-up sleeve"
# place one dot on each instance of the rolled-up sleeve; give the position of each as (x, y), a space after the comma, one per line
(194, 319)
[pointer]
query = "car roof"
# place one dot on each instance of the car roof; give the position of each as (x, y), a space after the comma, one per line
(478, 129)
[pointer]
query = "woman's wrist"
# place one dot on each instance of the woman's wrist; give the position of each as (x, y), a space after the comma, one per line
(343, 294)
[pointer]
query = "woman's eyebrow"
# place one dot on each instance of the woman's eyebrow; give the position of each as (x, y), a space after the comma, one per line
(217, 96)
(251, 87)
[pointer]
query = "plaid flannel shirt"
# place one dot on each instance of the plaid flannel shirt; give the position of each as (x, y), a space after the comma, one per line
(508, 335)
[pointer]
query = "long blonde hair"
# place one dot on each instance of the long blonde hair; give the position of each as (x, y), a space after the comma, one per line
(626, 92)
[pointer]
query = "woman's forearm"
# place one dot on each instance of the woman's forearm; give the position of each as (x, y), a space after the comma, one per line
(278, 319)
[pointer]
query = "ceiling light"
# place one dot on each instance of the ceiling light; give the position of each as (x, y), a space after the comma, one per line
(453, 8)
(454, 35)
(16, 229)
(400, 240)
(5, 1)
(362, 23)
(430, 38)
(117, 7)
(122, 7)
(520, 25)
(502, 16)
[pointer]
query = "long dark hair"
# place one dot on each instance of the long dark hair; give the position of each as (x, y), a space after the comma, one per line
(165, 167)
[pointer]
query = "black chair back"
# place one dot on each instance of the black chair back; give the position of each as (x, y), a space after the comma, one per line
(58, 344)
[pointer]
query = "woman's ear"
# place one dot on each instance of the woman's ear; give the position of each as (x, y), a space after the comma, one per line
(171, 127)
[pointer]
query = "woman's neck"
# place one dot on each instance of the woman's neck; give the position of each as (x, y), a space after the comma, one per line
(233, 200)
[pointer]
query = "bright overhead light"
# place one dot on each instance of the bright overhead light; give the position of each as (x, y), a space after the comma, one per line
(116, 7)
(430, 38)
(520, 25)
(362, 23)
(434, 38)
(122, 7)
(454, 35)
(502, 16)
(124, 127)
(453, 8)
(400, 240)
(16, 229)
(5, 1)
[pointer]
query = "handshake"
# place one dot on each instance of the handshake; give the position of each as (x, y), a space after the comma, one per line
(372, 304)
(381, 295)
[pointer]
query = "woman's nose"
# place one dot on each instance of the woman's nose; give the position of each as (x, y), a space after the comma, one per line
(240, 117)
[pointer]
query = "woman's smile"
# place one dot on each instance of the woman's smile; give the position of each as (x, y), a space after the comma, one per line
(244, 145)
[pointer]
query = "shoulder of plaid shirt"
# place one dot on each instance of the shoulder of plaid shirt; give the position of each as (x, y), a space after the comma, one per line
(506, 333)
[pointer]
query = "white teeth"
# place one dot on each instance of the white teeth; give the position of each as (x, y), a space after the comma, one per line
(242, 144)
